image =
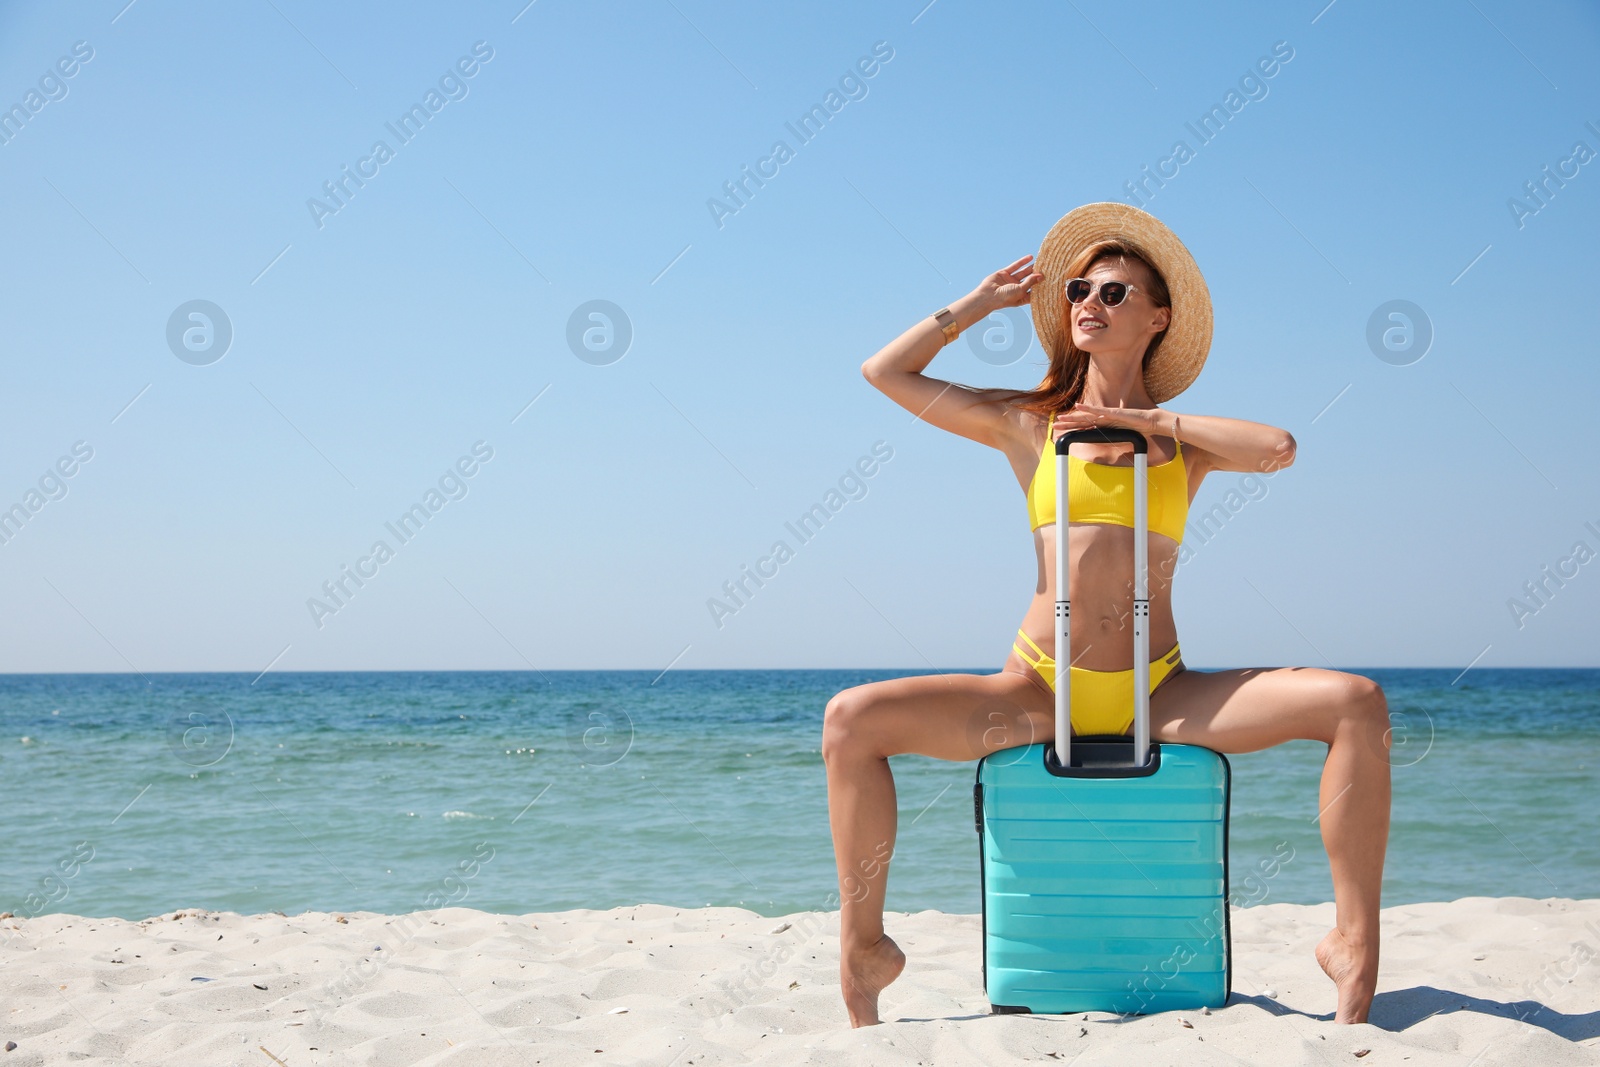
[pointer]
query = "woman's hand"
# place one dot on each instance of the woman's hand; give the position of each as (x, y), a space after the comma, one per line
(1009, 286)
(1083, 416)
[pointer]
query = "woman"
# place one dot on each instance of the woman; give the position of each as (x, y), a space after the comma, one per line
(1132, 331)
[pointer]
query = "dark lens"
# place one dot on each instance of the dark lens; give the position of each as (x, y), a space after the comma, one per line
(1077, 290)
(1112, 293)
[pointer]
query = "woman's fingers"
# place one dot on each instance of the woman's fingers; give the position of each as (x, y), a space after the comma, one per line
(1020, 287)
(1011, 273)
(1081, 416)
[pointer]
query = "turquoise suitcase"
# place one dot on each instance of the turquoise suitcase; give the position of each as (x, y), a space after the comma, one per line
(1104, 873)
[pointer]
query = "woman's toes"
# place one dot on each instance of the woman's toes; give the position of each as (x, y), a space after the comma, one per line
(863, 974)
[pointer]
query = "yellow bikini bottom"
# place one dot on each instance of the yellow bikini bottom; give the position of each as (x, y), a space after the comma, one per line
(1102, 701)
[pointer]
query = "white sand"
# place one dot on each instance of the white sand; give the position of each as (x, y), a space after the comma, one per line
(663, 985)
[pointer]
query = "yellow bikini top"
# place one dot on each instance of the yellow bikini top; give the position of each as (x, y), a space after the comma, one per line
(1101, 492)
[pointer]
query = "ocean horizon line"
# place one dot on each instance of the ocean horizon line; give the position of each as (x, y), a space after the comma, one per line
(722, 670)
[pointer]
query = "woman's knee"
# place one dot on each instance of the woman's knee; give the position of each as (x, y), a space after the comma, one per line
(1341, 702)
(843, 723)
(1362, 704)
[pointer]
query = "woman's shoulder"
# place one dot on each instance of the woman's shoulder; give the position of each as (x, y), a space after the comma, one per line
(1019, 415)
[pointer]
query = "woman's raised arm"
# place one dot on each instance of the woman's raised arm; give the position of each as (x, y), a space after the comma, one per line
(896, 368)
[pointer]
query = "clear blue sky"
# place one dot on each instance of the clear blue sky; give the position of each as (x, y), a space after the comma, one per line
(373, 346)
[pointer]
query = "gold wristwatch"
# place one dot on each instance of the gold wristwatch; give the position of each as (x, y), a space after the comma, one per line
(947, 322)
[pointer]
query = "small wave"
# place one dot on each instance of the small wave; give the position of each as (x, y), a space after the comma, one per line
(464, 815)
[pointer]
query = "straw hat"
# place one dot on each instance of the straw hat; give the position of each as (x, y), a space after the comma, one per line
(1188, 338)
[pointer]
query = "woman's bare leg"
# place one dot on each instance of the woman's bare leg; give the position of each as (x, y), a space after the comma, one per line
(947, 716)
(1249, 709)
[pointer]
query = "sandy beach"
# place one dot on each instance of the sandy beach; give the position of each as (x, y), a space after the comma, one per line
(1479, 980)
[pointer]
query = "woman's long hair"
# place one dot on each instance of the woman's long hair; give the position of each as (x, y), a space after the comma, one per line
(1062, 385)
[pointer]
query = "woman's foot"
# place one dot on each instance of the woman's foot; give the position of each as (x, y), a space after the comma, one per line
(1354, 970)
(863, 973)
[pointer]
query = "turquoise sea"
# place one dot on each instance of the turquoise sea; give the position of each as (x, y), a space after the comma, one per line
(133, 795)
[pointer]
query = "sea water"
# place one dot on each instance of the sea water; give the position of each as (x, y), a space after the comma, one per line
(513, 792)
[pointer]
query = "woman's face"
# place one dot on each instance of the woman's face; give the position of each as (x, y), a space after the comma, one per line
(1128, 326)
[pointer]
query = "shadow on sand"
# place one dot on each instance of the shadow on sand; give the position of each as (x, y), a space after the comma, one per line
(1395, 1011)
(1405, 1008)
(1401, 1009)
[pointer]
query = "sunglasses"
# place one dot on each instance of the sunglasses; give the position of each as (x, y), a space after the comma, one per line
(1111, 293)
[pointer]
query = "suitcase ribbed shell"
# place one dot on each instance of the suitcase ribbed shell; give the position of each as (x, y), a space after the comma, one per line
(1104, 894)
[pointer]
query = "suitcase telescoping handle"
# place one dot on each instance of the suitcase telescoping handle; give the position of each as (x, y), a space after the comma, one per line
(1141, 592)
